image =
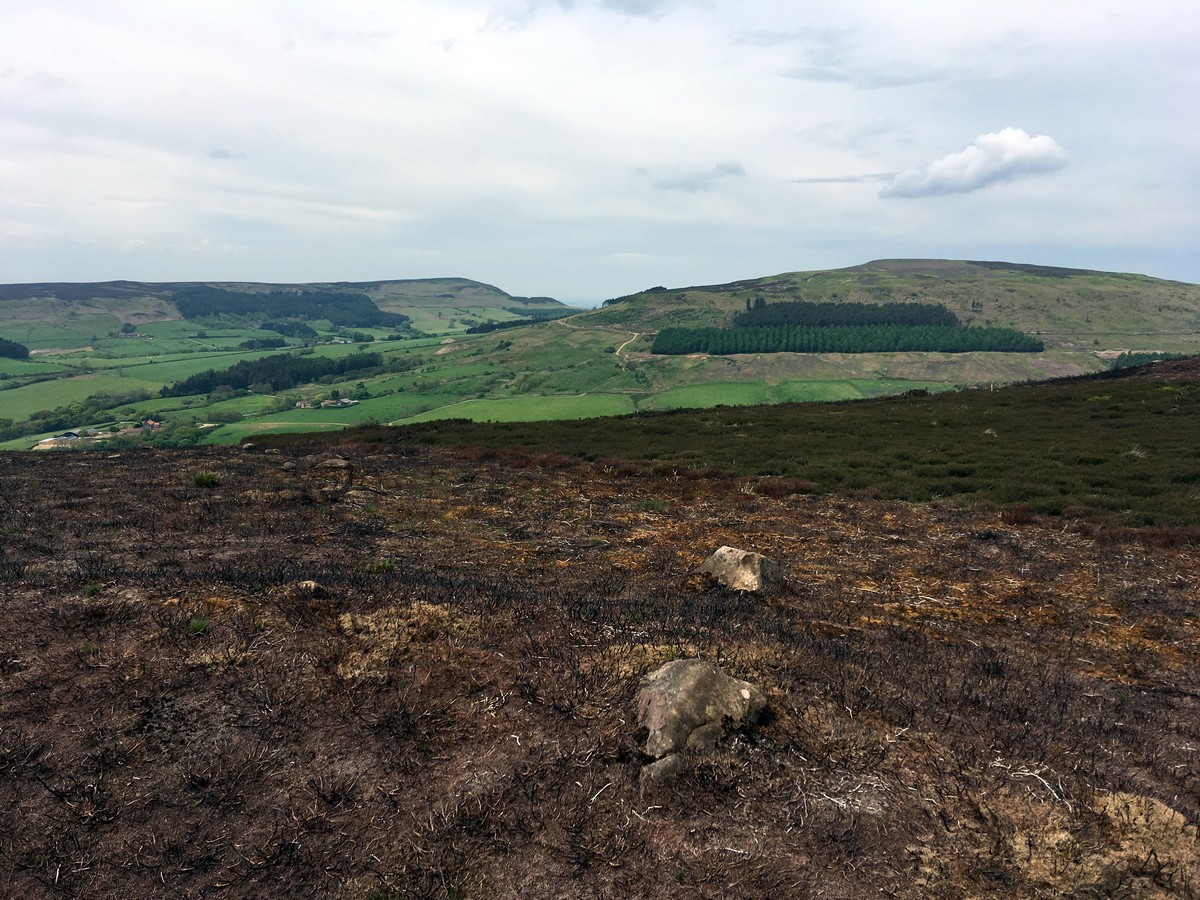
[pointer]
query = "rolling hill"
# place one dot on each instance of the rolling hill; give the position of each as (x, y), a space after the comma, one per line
(591, 363)
(59, 315)
(1072, 309)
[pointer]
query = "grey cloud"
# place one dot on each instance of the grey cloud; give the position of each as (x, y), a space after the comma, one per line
(698, 182)
(845, 179)
(843, 136)
(818, 37)
(868, 79)
(45, 81)
(640, 7)
(818, 73)
(522, 14)
(991, 159)
(222, 153)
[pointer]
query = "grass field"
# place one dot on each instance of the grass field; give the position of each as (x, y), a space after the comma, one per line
(742, 393)
(18, 403)
(529, 409)
(78, 332)
(34, 366)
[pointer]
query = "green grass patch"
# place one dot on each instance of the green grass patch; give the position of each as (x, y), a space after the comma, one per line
(18, 403)
(33, 367)
(78, 331)
(750, 393)
(530, 409)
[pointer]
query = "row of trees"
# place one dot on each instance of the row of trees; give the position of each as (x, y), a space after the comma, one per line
(263, 344)
(1131, 358)
(761, 314)
(843, 339)
(281, 372)
(291, 329)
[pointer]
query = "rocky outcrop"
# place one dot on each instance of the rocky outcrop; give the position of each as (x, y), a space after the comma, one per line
(742, 570)
(689, 705)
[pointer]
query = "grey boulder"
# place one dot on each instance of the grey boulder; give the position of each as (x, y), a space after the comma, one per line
(742, 570)
(689, 704)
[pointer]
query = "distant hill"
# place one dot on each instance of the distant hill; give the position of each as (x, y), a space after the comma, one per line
(433, 304)
(1070, 309)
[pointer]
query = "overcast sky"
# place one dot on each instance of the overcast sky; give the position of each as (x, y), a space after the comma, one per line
(585, 149)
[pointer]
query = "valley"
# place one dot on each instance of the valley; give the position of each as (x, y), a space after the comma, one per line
(121, 339)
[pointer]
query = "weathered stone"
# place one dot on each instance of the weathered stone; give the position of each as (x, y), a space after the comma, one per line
(661, 769)
(307, 589)
(689, 703)
(742, 570)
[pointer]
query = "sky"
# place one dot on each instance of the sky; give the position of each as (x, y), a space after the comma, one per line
(587, 149)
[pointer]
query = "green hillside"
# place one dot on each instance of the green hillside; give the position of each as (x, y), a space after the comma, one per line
(95, 344)
(66, 315)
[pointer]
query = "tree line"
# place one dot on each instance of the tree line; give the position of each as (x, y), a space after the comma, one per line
(760, 314)
(281, 372)
(843, 339)
(13, 350)
(1132, 358)
(340, 308)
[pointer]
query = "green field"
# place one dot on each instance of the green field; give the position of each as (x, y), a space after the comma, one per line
(741, 393)
(33, 367)
(77, 332)
(18, 403)
(529, 409)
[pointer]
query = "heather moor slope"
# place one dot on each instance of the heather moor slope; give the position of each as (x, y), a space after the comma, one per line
(1107, 452)
(369, 672)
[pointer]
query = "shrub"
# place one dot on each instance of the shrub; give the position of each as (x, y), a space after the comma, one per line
(206, 479)
(1017, 515)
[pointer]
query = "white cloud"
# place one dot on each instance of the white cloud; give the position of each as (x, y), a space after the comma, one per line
(993, 158)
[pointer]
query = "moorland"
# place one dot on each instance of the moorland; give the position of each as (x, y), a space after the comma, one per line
(385, 649)
(402, 662)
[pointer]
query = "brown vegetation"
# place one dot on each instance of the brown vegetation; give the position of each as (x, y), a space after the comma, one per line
(410, 674)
